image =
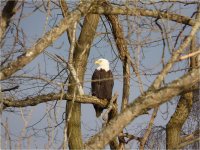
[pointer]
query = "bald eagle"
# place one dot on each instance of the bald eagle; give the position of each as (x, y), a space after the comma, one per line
(102, 89)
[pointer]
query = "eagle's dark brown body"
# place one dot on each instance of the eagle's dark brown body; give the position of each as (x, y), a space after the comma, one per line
(102, 89)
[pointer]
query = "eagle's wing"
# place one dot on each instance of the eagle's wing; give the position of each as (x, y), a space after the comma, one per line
(95, 85)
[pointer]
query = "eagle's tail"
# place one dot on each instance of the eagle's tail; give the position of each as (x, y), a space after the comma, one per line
(98, 110)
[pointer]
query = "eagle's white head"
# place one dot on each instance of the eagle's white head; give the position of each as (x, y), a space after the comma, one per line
(103, 64)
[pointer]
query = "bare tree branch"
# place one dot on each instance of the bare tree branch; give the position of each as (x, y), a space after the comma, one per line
(65, 12)
(52, 97)
(148, 131)
(174, 126)
(148, 100)
(122, 48)
(10, 89)
(122, 10)
(173, 1)
(70, 66)
(157, 82)
(181, 145)
(45, 41)
(190, 55)
(190, 136)
(7, 13)
(131, 35)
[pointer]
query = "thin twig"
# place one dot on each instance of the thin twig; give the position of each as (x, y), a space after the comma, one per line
(181, 145)
(10, 89)
(157, 82)
(190, 55)
(148, 131)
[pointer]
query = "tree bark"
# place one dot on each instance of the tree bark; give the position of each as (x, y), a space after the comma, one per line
(174, 126)
(44, 41)
(80, 58)
(173, 129)
(124, 10)
(7, 13)
(122, 48)
(150, 99)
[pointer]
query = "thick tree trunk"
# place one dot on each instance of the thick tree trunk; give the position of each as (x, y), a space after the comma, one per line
(80, 58)
(173, 130)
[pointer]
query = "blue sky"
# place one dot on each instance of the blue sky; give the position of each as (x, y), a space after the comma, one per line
(33, 26)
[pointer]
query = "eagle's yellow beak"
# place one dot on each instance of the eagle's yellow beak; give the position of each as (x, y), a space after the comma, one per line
(97, 62)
